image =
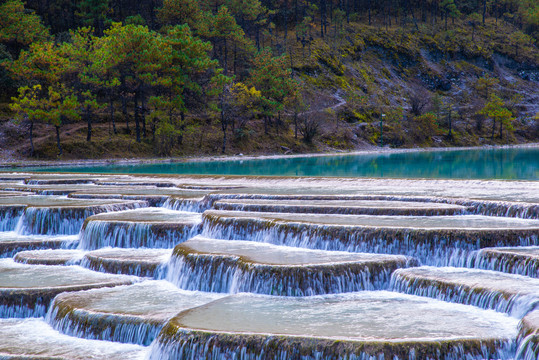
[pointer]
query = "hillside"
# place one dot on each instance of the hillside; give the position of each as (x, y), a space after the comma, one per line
(432, 81)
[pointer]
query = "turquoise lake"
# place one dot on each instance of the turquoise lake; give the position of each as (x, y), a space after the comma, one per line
(505, 163)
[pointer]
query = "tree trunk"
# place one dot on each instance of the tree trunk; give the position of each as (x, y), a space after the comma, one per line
(493, 128)
(137, 120)
(143, 115)
(32, 151)
(484, 10)
(182, 128)
(226, 58)
(295, 124)
(223, 127)
(89, 121)
(124, 113)
(111, 110)
(60, 151)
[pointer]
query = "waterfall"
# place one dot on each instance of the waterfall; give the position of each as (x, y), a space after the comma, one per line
(528, 348)
(190, 204)
(24, 307)
(64, 220)
(9, 217)
(438, 247)
(186, 344)
(502, 208)
(515, 305)
(230, 274)
(97, 234)
(97, 326)
(500, 259)
(112, 266)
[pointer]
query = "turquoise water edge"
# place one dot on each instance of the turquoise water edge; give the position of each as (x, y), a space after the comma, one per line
(499, 163)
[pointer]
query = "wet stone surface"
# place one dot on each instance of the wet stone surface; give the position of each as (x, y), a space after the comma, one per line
(244, 266)
(514, 294)
(49, 257)
(372, 207)
(11, 242)
(290, 267)
(139, 262)
(26, 290)
(129, 314)
(364, 323)
(34, 339)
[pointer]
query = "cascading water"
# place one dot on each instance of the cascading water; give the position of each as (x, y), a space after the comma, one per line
(523, 260)
(97, 234)
(191, 205)
(128, 314)
(239, 266)
(64, 220)
(149, 228)
(512, 294)
(138, 316)
(364, 325)
(9, 217)
(438, 247)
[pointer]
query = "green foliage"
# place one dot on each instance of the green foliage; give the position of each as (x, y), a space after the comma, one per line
(19, 27)
(495, 110)
(94, 13)
(424, 127)
(486, 85)
(520, 39)
(179, 12)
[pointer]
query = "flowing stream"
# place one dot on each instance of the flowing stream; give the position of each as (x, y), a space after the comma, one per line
(168, 267)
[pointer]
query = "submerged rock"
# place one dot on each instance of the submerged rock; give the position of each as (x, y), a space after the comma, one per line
(244, 266)
(363, 325)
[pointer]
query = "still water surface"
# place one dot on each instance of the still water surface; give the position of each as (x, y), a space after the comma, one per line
(506, 163)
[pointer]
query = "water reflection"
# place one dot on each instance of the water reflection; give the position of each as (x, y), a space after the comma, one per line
(514, 163)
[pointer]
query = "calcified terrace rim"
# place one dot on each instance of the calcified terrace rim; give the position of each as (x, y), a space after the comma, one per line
(127, 314)
(49, 257)
(275, 255)
(522, 260)
(147, 215)
(139, 262)
(27, 290)
(35, 339)
(513, 294)
(214, 329)
(243, 266)
(12, 243)
(372, 207)
(462, 222)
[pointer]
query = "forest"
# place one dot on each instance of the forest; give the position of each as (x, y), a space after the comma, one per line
(117, 78)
